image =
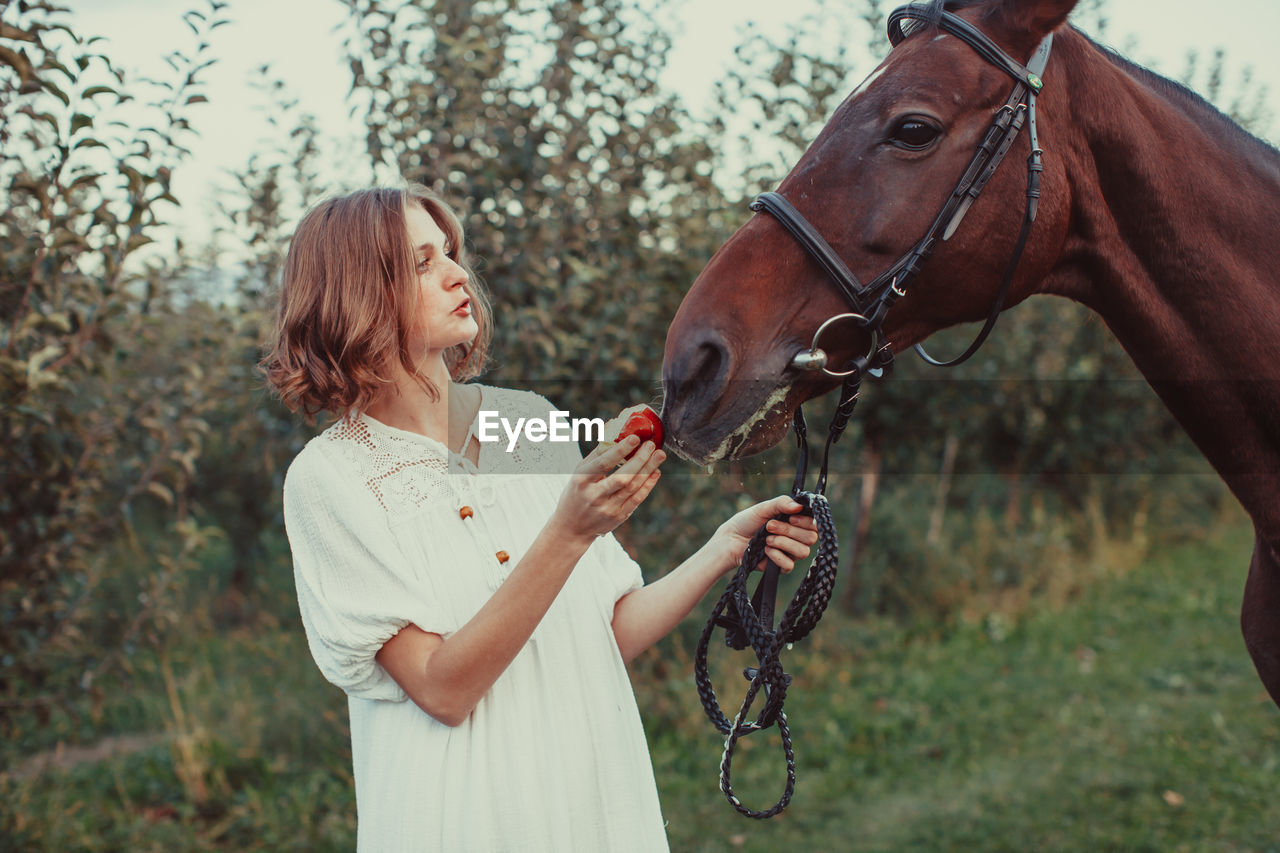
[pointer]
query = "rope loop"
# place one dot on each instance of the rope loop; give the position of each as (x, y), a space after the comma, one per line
(748, 622)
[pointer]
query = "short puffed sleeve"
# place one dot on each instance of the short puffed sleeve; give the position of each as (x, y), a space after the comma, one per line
(624, 572)
(352, 579)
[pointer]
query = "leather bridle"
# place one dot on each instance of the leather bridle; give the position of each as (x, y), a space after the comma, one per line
(870, 302)
(749, 621)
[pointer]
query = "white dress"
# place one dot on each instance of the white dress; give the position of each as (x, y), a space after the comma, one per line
(554, 757)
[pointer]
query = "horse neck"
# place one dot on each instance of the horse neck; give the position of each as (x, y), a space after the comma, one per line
(1173, 241)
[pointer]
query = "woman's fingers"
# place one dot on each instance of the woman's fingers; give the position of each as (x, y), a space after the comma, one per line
(799, 527)
(781, 560)
(637, 497)
(634, 473)
(609, 483)
(605, 457)
(790, 547)
(789, 542)
(781, 504)
(618, 492)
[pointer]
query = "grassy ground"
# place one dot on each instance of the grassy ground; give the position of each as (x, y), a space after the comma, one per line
(1127, 719)
(1130, 719)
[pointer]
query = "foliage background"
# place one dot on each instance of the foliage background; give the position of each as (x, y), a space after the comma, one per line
(145, 589)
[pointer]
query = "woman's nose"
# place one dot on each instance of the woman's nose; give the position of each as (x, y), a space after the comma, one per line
(459, 276)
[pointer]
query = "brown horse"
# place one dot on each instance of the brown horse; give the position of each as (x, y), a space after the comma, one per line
(1157, 212)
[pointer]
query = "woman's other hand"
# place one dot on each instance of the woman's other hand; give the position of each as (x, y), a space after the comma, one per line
(607, 487)
(789, 541)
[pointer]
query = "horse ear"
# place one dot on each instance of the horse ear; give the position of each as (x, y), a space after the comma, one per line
(1031, 19)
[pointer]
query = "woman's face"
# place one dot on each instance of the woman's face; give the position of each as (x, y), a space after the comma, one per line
(444, 307)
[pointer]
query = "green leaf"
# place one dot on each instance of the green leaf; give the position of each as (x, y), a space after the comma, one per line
(94, 91)
(36, 373)
(56, 92)
(161, 491)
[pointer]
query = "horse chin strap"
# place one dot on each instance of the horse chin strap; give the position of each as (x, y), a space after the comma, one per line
(870, 303)
(749, 622)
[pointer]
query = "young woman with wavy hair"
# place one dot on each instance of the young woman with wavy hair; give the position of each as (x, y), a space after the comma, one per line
(470, 600)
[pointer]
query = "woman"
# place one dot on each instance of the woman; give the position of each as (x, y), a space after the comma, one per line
(483, 585)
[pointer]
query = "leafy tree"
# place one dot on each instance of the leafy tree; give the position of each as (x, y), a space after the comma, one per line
(252, 437)
(98, 440)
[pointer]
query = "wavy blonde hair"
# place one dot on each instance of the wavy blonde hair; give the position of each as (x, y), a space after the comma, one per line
(349, 298)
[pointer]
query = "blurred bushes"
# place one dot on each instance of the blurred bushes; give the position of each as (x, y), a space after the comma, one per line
(101, 428)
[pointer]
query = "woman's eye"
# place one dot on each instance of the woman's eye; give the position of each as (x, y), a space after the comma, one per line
(914, 134)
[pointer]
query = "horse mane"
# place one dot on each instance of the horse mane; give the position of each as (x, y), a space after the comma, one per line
(1191, 102)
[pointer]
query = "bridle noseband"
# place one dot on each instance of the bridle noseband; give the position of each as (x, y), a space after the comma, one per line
(870, 302)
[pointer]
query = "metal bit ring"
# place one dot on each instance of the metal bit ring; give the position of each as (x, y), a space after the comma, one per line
(815, 358)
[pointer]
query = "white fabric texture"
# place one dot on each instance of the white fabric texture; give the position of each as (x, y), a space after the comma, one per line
(554, 757)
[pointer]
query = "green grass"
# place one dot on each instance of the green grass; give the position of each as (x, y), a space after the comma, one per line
(1128, 718)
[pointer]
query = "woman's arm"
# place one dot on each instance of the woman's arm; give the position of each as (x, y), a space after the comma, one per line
(646, 615)
(448, 677)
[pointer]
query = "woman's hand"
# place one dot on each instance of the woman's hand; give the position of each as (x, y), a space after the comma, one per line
(788, 541)
(607, 487)
(643, 616)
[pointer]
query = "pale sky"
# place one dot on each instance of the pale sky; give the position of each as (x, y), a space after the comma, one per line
(296, 37)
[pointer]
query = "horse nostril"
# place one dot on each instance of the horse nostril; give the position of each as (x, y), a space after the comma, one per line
(709, 363)
(697, 372)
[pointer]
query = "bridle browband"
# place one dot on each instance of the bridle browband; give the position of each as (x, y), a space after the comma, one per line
(749, 621)
(870, 302)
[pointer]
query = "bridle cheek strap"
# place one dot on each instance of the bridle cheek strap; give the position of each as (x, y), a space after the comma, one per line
(1035, 168)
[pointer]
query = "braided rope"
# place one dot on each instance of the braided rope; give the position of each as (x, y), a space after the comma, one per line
(735, 612)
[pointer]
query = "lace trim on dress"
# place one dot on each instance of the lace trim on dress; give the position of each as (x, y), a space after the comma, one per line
(406, 472)
(403, 473)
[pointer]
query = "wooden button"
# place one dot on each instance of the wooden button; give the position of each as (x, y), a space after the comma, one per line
(466, 512)
(503, 556)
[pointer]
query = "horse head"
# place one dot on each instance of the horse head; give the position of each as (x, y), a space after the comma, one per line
(871, 184)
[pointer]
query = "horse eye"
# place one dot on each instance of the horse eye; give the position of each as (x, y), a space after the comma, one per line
(914, 134)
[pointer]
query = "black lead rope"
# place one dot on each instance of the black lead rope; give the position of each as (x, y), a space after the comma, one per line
(749, 622)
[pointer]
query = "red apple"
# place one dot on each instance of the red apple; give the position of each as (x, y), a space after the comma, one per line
(639, 420)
